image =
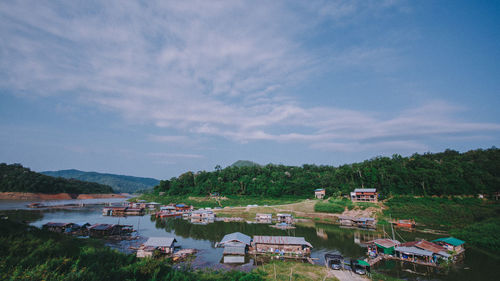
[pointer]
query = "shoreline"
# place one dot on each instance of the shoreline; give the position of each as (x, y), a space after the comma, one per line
(56, 196)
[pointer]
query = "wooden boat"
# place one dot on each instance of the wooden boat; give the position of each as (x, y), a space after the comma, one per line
(404, 223)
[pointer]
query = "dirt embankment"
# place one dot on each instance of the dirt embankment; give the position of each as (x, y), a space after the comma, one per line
(57, 196)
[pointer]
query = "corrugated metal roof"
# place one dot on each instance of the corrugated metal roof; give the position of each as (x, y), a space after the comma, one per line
(386, 243)
(365, 190)
(429, 246)
(101, 226)
(283, 215)
(236, 236)
(413, 251)
(160, 241)
(280, 240)
(450, 240)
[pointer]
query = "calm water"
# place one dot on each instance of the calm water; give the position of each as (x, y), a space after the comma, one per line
(324, 238)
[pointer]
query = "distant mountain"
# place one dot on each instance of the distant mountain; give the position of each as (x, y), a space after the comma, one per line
(244, 163)
(16, 178)
(120, 183)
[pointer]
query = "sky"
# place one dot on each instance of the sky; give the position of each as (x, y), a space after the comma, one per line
(158, 88)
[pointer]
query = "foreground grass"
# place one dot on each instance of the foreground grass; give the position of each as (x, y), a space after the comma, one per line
(279, 270)
(229, 201)
(28, 253)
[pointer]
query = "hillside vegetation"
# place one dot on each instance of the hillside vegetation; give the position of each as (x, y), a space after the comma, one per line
(16, 178)
(445, 173)
(119, 183)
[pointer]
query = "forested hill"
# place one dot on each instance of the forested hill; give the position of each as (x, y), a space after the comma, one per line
(16, 178)
(445, 173)
(119, 183)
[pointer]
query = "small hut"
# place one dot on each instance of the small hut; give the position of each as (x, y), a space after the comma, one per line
(451, 244)
(235, 247)
(285, 218)
(164, 245)
(263, 218)
(319, 193)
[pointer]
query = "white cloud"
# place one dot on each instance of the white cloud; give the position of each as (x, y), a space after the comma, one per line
(211, 68)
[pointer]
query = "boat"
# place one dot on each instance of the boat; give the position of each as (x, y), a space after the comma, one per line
(404, 223)
(35, 205)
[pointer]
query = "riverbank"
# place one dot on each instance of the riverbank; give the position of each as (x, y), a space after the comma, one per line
(57, 196)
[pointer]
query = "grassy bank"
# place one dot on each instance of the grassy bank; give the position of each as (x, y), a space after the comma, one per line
(470, 219)
(28, 253)
(339, 205)
(232, 201)
(286, 271)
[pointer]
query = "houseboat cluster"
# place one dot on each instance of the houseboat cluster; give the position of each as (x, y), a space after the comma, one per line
(98, 230)
(429, 253)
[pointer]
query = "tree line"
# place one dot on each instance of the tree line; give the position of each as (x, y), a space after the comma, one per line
(16, 178)
(445, 173)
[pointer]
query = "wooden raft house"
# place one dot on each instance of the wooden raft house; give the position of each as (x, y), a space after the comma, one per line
(370, 223)
(263, 218)
(235, 247)
(122, 211)
(202, 216)
(106, 230)
(160, 245)
(452, 244)
(285, 218)
(282, 245)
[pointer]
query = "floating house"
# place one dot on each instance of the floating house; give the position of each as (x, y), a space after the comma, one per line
(59, 227)
(414, 254)
(451, 244)
(103, 230)
(183, 208)
(153, 205)
(364, 195)
(438, 252)
(285, 218)
(202, 216)
(235, 247)
(319, 193)
(382, 247)
(282, 245)
(163, 245)
(358, 222)
(264, 218)
(122, 211)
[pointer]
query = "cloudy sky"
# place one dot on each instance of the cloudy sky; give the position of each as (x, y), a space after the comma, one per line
(154, 89)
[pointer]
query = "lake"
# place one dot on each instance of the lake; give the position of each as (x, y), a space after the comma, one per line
(477, 265)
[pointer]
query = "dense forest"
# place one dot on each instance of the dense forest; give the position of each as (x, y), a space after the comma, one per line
(445, 173)
(119, 183)
(16, 178)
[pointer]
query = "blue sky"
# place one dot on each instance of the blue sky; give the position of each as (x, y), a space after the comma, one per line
(156, 88)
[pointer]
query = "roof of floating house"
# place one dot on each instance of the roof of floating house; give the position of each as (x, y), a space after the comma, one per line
(236, 236)
(283, 215)
(101, 226)
(154, 203)
(58, 224)
(450, 240)
(160, 242)
(280, 240)
(167, 208)
(365, 190)
(386, 243)
(413, 251)
(426, 245)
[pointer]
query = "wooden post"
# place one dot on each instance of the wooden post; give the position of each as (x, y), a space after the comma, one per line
(274, 271)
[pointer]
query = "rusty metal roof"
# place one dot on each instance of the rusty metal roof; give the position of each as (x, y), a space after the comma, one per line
(280, 240)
